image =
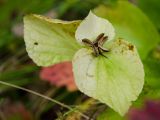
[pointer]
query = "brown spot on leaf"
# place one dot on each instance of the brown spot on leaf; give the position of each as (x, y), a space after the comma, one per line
(35, 43)
(131, 47)
(75, 25)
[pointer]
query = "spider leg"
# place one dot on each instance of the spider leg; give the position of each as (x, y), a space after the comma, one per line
(100, 53)
(103, 55)
(103, 49)
(100, 36)
(102, 40)
(87, 42)
(95, 51)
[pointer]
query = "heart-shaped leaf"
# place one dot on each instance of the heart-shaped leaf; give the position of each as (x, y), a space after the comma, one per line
(49, 41)
(116, 79)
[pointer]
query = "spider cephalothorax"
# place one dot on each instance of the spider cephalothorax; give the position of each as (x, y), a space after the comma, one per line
(97, 44)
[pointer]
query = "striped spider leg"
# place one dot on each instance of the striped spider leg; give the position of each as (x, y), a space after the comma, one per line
(97, 44)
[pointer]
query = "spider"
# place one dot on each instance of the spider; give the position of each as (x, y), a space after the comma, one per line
(97, 44)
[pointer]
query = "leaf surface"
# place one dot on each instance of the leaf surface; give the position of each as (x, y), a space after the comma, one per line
(49, 41)
(116, 80)
(92, 26)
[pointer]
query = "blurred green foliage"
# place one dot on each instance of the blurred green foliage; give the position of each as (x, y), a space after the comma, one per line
(151, 8)
(131, 24)
(13, 11)
(110, 115)
(152, 71)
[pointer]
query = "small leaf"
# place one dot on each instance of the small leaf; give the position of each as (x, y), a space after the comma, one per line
(92, 26)
(116, 80)
(49, 41)
(132, 25)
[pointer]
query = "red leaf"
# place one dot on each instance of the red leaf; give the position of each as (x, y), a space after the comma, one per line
(59, 75)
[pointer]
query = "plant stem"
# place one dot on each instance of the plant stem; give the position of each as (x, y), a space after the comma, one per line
(45, 97)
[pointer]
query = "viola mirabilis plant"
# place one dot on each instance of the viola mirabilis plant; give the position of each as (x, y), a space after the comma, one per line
(104, 68)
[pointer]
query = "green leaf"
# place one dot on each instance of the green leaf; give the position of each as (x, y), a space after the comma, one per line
(116, 80)
(49, 41)
(109, 115)
(131, 24)
(152, 72)
(92, 26)
(151, 8)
